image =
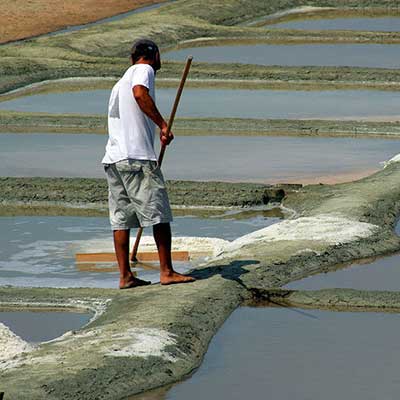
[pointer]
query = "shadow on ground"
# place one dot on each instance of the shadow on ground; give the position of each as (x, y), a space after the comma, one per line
(232, 271)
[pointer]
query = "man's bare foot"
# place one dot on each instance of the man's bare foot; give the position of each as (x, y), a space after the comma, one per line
(132, 283)
(174, 277)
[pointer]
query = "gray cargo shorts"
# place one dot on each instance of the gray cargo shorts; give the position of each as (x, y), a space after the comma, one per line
(137, 195)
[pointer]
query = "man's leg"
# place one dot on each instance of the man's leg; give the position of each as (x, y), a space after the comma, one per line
(162, 237)
(121, 244)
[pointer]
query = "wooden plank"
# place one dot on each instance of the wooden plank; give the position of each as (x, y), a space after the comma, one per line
(95, 267)
(112, 267)
(143, 256)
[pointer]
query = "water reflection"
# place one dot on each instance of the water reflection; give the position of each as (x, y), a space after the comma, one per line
(378, 274)
(381, 273)
(323, 55)
(225, 103)
(41, 326)
(238, 158)
(40, 251)
(280, 352)
(382, 24)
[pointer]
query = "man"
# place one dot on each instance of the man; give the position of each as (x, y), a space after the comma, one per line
(137, 193)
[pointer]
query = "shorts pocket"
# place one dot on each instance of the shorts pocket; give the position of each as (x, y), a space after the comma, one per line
(157, 177)
(128, 166)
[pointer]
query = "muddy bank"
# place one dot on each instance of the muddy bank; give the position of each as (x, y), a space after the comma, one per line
(79, 196)
(25, 123)
(134, 339)
(137, 343)
(332, 299)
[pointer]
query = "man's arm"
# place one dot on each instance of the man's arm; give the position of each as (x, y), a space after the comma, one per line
(147, 105)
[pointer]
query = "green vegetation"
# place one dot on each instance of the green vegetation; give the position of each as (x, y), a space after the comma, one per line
(102, 50)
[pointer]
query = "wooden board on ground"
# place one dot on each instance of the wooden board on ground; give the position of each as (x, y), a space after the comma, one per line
(142, 256)
(113, 267)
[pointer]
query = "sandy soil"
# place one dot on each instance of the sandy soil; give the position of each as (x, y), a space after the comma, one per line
(22, 19)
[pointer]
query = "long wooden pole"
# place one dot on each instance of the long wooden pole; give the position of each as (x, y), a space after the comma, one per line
(163, 146)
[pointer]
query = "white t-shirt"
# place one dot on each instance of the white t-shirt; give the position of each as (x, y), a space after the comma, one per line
(131, 132)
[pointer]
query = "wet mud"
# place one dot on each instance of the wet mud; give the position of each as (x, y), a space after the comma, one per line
(79, 194)
(330, 225)
(26, 123)
(150, 337)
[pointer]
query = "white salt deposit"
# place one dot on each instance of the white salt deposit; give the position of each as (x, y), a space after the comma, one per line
(394, 159)
(142, 342)
(328, 228)
(11, 346)
(292, 11)
(187, 243)
(70, 337)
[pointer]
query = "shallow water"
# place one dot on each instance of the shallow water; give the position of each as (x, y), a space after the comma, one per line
(384, 24)
(225, 103)
(297, 354)
(379, 274)
(237, 158)
(40, 326)
(382, 273)
(352, 55)
(40, 251)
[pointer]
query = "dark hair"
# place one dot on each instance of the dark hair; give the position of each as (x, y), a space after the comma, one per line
(144, 48)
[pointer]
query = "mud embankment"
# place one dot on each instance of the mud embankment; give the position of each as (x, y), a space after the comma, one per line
(25, 123)
(84, 196)
(138, 343)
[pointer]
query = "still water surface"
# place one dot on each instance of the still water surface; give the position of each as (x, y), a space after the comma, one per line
(225, 103)
(40, 251)
(285, 354)
(40, 326)
(323, 55)
(384, 24)
(383, 273)
(380, 274)
(237, 158)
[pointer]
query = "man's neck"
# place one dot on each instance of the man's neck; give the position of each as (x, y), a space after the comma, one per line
(142, 61)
